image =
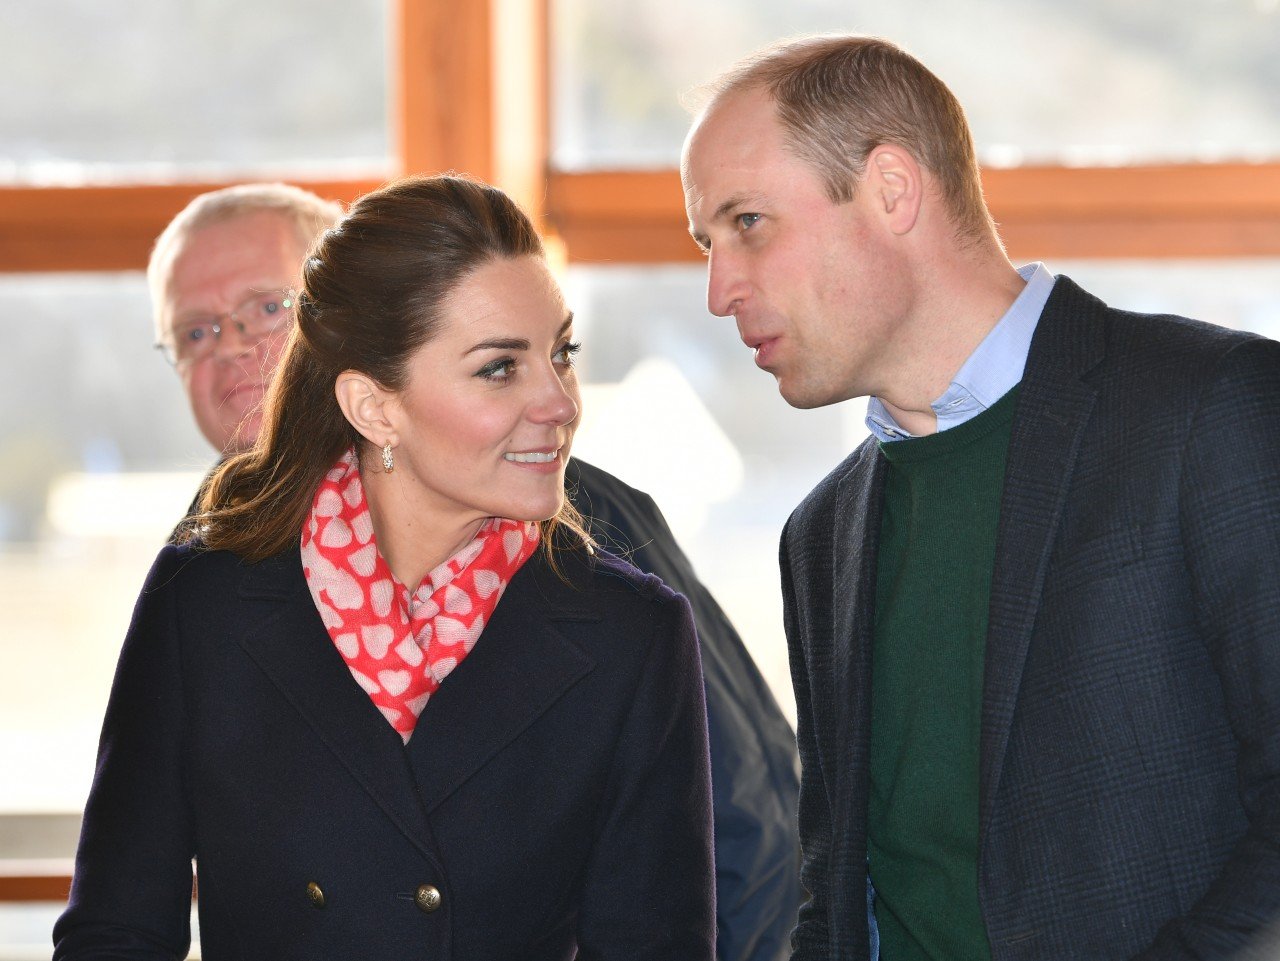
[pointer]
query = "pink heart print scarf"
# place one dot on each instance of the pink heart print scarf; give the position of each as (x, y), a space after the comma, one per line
(399, 646)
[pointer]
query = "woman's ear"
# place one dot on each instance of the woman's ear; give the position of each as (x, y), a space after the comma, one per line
(366, 406)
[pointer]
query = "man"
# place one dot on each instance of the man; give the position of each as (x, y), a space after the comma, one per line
(1033, 620)
(209, 272)
(222, 276)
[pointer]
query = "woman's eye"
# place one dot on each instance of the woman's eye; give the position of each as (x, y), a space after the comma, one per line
(747, 221)
(497, 370)
(565, 354)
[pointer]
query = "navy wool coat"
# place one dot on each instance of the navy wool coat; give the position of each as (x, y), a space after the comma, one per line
(755, 772)
(1129, 773)
(553, 802)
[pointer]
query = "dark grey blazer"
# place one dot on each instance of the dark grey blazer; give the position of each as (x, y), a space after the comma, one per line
(1130, 744)
(555, 792)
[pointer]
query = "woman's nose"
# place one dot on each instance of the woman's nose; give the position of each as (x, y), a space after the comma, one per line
(558, 400)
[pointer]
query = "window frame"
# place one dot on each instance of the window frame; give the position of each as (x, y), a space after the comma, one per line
(467, 96)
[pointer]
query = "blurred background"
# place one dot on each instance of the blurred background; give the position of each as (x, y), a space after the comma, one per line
(1135, 147)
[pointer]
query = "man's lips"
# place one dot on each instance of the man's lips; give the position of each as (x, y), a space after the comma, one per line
(244, 387)
(763, 346)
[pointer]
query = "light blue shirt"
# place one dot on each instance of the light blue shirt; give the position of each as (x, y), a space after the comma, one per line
(992, 370)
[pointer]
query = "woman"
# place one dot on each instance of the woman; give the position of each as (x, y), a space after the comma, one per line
(386, 715)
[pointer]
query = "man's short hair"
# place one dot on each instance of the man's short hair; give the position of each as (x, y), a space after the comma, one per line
(309, 214)
(840, 97)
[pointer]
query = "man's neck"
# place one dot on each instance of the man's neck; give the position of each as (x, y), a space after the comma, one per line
(963, 300)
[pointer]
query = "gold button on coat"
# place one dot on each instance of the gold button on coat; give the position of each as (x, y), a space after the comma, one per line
(314, 894)
(427, 898)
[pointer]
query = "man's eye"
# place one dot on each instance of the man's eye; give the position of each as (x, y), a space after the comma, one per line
(747, 221)
(196, 333)
(266, 307)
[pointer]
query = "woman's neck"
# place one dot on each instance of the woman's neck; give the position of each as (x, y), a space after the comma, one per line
(412, 537)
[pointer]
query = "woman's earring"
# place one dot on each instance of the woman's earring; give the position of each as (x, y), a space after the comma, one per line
(388, 462)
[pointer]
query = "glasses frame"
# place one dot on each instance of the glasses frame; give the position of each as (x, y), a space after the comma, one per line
(288, 302)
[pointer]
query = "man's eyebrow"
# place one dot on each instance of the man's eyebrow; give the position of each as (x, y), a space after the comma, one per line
(517, 343)
(723, 212)
(249, 293)
(732, 203)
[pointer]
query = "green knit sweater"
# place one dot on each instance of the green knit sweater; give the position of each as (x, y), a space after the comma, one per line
(937, 550)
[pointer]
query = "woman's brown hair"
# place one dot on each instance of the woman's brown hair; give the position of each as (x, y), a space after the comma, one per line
(373, 286)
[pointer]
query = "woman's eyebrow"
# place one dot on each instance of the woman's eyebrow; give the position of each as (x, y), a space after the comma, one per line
(501, 343)
(516, 343)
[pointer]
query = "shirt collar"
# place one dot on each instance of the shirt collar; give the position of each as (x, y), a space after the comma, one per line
(992, 369)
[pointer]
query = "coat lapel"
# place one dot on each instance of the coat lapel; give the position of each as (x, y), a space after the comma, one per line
(1054, 407)
(291, 646)
(856, 530)
(519, 668)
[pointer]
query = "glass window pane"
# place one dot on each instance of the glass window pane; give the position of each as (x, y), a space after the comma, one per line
(98, 459)
(1092, 82)
(208, 88)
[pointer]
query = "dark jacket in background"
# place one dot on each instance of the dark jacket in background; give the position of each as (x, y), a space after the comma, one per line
(754, 778)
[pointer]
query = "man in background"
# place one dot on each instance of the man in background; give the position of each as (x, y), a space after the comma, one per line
(222, 276)
(1034, 621)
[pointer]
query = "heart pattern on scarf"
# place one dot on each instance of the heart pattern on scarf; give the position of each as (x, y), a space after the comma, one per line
(399, 646)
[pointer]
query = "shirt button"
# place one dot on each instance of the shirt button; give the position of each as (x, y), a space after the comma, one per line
(315, 894)
(427, 898)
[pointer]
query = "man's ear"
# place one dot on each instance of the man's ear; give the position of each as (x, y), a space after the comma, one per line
(367, 407)
(896, 184)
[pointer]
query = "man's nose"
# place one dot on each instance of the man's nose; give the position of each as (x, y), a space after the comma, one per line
(233, 340)
(726, 284)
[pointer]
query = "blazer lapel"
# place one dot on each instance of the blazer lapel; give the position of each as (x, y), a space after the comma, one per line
(519, 668)
(1054, 406)
(856, 533)
(291, 646)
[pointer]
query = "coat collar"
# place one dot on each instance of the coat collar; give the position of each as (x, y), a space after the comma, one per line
(520, 666)
(843, 687)
(856, 530)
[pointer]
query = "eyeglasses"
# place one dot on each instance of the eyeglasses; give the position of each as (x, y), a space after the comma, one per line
(195, 336)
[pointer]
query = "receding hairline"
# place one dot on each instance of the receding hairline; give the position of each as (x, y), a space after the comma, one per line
(838, 96)
(307, 213)
(764, 69)
(761, 72)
